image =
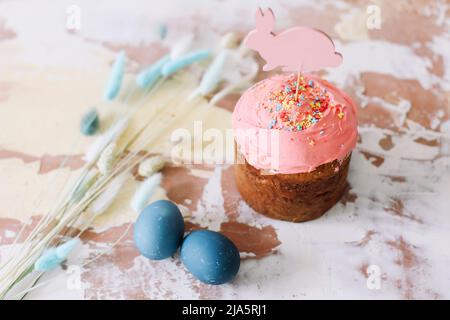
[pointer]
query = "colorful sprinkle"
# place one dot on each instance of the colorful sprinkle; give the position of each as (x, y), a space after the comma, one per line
(272, 123)
(290, 114)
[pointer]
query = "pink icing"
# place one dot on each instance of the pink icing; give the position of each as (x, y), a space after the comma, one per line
(331, 138)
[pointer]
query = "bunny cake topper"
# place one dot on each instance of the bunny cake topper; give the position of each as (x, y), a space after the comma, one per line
(299, 49)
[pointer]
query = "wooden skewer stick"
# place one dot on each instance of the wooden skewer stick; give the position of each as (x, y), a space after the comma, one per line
(298, 84)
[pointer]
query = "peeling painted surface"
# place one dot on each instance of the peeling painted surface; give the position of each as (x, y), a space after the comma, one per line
(5, 32)
(47, 162)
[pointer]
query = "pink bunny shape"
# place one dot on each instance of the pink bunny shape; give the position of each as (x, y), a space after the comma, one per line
(296, 49)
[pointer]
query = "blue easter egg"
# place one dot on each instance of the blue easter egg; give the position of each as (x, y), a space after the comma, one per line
(159, 229)
(210, 256)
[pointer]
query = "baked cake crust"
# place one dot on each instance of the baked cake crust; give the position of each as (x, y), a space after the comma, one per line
(295, 197)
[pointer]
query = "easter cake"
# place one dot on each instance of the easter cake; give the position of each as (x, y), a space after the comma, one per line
(305, 174)
(294, 132)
